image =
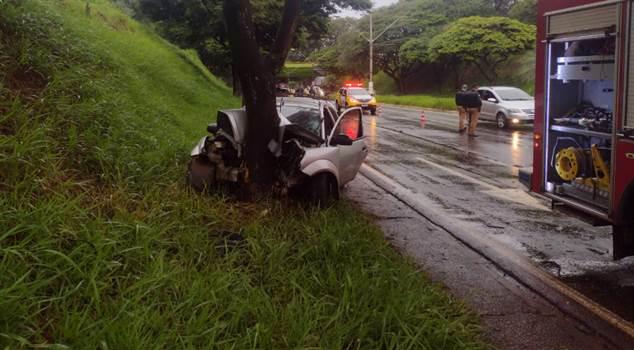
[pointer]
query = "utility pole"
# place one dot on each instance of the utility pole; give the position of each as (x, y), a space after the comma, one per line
(371, 39)
(371, 83)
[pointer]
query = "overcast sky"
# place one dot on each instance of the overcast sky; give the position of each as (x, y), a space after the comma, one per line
(377, 3)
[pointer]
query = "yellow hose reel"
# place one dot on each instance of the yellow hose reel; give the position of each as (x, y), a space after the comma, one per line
(569, 163)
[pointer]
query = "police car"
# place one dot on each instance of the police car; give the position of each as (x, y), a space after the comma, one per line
(354, 95)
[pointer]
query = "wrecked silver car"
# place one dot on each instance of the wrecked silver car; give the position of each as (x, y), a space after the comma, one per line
(319, 151)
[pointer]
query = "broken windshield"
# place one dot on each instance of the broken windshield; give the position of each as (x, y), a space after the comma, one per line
(307, 118)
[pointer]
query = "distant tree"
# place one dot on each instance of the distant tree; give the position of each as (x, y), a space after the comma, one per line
(525, 11)
(415, 54)
(484, 42)
(419, 19)
(502, 7)
(199, 25)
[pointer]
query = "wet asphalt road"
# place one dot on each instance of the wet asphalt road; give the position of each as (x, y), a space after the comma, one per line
(513, 316)
(474, 182)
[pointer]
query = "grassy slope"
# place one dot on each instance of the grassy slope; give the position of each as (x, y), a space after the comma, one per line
(103, 247)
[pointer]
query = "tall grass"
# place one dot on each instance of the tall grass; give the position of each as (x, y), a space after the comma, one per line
(103, 247)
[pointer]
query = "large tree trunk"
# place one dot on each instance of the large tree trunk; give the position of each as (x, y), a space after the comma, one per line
(235, 81)
(256, 75)
(489, 74)
(257, 82)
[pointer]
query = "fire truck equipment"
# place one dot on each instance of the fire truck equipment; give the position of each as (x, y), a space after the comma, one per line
(589, 117)
(583, 84)
(570, 163)
(570, 166)
(601, 169)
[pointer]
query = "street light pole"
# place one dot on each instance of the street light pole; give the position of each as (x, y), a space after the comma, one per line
(371, 39)
(371, 83)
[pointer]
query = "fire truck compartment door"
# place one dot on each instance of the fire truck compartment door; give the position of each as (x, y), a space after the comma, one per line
(582, 20)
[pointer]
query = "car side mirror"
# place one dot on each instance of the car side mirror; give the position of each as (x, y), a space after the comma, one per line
(212, 128)
(341, 140)
(491, 99)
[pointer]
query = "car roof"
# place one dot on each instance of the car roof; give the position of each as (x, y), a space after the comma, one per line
(307, 104)
(501, 87)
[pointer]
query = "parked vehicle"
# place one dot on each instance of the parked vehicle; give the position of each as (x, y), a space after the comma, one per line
(319, 151)
(506, 106)
(317, 92)
(584, 124)
(354, 95)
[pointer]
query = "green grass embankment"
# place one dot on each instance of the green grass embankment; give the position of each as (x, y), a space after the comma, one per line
(298, 71)
(425, 101)
(102, 246)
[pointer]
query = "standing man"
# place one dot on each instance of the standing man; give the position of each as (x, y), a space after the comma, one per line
(473, 105)
(462, 112)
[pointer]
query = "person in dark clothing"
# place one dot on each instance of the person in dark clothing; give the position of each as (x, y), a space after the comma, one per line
(462, 112)
(473, 106)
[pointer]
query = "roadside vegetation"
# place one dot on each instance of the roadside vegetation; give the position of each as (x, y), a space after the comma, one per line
(425, 101)
(102, 246)
(298, 71)
(426, 50)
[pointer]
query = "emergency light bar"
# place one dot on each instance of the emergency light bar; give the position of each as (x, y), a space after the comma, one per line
(353, 84)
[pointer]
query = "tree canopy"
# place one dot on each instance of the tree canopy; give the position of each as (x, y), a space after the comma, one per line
(199, 24)
(525, 11)
(483, 41)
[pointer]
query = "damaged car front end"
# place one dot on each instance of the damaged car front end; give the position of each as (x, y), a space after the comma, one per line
(317, 152)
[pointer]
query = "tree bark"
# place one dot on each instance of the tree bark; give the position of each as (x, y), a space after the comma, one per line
(490, 79)
(284, 37)
(237, 90)
(258, 88)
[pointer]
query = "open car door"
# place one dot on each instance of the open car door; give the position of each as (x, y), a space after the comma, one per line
(348, 137)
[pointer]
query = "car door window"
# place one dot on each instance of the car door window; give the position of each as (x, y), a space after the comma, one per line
(486, 95)
(350, 124)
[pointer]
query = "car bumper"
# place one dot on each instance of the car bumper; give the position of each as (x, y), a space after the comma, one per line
(366, 106)
(520, 119)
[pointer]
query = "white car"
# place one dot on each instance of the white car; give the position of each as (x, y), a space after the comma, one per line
(318, 151)
(506, 106)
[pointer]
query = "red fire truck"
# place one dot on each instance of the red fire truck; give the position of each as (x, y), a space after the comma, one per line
(584, 120)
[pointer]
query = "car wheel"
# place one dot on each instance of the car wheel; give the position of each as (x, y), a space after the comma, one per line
(501, 121)
(201, 174)
(322, 191)
(373, 111)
